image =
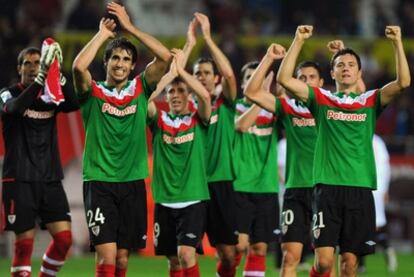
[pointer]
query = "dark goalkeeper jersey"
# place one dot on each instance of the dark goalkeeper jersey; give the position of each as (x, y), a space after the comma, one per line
(30, 138)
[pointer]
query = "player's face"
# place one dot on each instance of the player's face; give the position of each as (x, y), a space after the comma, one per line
(177, 98)
(29, 68)
(205, 74)
(119, 66)
(246, 77)
(345, 70)
(310, 76)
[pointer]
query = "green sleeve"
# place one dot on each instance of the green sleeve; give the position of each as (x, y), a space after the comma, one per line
(148, 90)
(278, 108)
(311, 103)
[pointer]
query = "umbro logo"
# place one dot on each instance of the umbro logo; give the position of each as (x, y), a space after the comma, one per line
(370, 243)
(190, 235)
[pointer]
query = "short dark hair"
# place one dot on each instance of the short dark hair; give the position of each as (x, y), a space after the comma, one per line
(308, 64)
(176, 80)
(26, 51)
(122, 43)
(210, 61)
(249, 65)
(343, 52)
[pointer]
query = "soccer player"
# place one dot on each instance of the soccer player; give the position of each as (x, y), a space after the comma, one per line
(300, 133)
(32, 172)
(115, 156)
(256, 182)
(179, 183)
(221, 222)
(344, 169)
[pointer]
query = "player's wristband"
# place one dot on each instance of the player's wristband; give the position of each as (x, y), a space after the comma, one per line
(40, 78)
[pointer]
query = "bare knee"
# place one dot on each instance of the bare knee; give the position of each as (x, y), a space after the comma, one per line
(173, 263)
(349, 264)
(258, 249)
(106, 253)
(243, 243)
(122, 259)
(226, 254)
(186, 256)
(290, 259)
(324, 264)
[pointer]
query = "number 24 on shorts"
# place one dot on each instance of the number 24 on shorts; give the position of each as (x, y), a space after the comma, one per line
(94, 219)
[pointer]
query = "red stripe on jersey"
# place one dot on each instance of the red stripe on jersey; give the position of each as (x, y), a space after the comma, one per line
(173, 131)
(288, 109)
(8, 180)
(12, 207)
(97, 92)
(334, 102)
(216, 105)
(264, 120)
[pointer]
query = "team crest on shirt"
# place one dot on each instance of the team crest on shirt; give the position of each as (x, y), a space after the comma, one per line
(316, 233)
(284, 229)
(96, 230)
(11, 218)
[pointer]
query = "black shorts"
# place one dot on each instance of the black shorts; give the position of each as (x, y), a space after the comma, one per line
(116, 212)
(221, 223)
(28, 203)
(258, 216)
(344, 216)
(295, 220)
(175, 227)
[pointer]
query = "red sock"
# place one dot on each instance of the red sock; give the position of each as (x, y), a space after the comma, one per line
(120, 272)
(255, 266)
(105, 270)
(176, 273)
(55, 255)
(22, 263)
(191, 271)
(314, 273)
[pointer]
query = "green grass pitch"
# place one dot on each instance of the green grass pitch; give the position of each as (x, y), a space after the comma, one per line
(157, 267)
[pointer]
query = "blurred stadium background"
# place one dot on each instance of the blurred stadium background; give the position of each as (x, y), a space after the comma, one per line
(244, 29)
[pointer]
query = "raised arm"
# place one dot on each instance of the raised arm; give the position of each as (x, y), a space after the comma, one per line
(156, 69)
(255, 91)
(247, 119)
(287, 67)
(191, 39)
(81, 76)
(19, 104)
(223, 64)
(334, 46)
(403, 80)
(162, 84)
(204, 101)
